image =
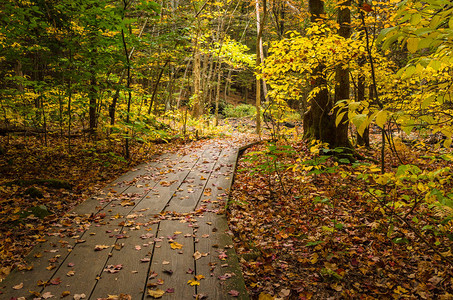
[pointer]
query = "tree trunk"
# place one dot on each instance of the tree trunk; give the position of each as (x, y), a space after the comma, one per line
(156, 87)
(342, 86)
(319, 123)
(93, 101)
(196, 109)
(259, 58)
(362, 140)
(217, 98)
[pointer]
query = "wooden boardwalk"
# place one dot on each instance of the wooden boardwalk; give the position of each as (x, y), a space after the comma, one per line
(157, 230)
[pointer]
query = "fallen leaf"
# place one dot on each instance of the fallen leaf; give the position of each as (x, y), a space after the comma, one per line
(169, 272)
(197, 255)
(284, 293)
(47, 295)
(175, 245)
(113, 268)
(165, 262)
(234, 293)
(55, 281)
(156, 293)
(70, 273)
(65, 293)
(79, 296)
(127, 203)
(264, 296)
(223, 256)
(199, 277)
(100, 247)
(137, 247)
(19, 286)
(170, 290)
(193, 282)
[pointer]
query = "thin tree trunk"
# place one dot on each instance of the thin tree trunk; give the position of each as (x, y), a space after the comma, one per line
(156, 87)
(217, 98)
(178, 103)
(259, 58)
(93, 101)
(112, 106)
(128, 78)
(196, 97)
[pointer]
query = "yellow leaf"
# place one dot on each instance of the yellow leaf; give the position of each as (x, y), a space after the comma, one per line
(193, 282)
(264, 296)
(412, 44)
(314, 258)
(381, 118)
(156, 294)
(199, 277)
(175, 245)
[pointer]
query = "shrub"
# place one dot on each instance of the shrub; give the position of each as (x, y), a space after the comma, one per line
(242, 110)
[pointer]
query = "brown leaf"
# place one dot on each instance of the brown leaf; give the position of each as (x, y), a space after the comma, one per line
(18, 286)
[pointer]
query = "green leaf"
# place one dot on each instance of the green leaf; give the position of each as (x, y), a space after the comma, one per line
(387, 33)
(408, 72)
(315, 243)
(435, 21)
(415, 19)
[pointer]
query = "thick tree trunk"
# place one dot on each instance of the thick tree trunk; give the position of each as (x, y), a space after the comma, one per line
(319, 123)
(342, 87)
(362, 140)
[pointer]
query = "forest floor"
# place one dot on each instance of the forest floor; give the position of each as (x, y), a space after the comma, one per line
(307, 227)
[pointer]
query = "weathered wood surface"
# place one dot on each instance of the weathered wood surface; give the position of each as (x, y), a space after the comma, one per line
(153, 229)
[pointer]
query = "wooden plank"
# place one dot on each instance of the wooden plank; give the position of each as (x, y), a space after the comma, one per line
(49, 253)
(178, 261)
(221, 267)
(208, 168)
(189, 193)
(153, 183)
(88, 263)
(158, 197)
(119, 186)
(212, 236)
(131, 279)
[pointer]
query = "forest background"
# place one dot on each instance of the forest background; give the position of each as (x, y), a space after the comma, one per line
(349, 95)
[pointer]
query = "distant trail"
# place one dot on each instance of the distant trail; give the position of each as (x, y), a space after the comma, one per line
(159, 228)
